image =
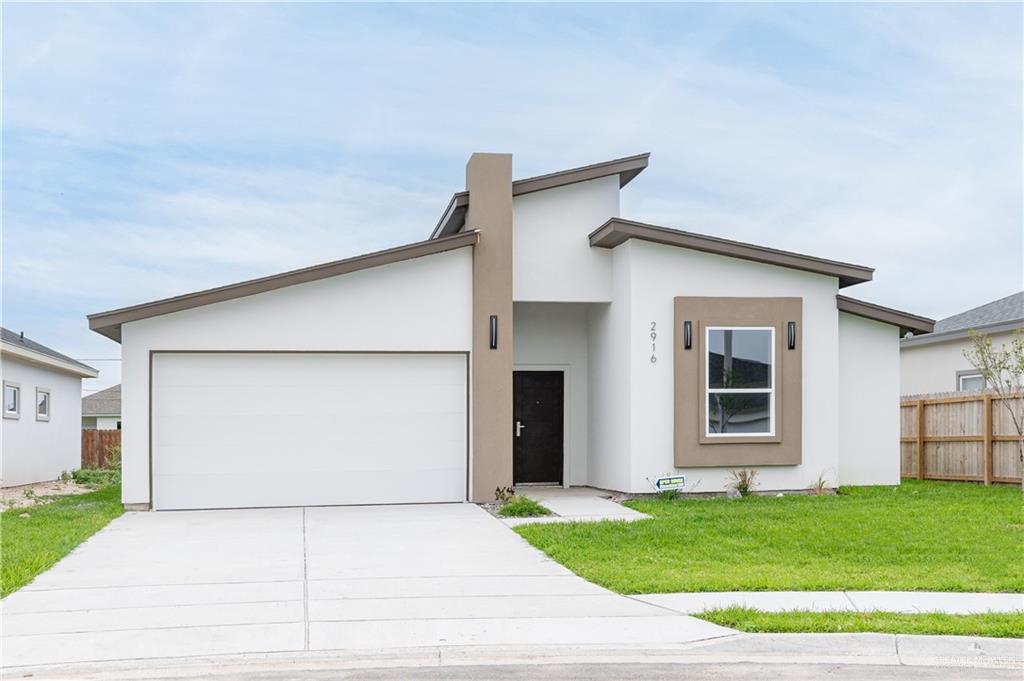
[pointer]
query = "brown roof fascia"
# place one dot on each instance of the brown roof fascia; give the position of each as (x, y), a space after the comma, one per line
(618, 230)
(453, 218)
(109, 323)
(904, 320)
(626, 168)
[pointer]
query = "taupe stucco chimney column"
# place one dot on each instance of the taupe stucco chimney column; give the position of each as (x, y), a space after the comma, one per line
(489, 182)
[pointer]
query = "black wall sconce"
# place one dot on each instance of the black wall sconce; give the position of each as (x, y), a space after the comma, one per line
(791, 329)
(494, 332)
(687, 335)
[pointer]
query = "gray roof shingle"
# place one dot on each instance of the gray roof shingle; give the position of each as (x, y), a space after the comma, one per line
(1008, 309)
(103, 403)
(19, 340)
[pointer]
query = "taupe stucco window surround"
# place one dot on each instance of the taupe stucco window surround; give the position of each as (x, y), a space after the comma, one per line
(780, 444)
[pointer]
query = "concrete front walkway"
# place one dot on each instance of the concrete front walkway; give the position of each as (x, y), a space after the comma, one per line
(889, 601)
(210, 583)
(574, 504)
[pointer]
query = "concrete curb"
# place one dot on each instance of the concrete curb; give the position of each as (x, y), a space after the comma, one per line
(952, 652)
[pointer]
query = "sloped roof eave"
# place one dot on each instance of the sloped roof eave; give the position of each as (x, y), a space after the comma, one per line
(618, 230)
(109, 323)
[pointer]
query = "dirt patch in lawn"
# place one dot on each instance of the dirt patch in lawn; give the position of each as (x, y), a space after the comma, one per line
(25, 496)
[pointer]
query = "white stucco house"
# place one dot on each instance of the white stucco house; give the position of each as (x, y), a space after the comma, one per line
(42, 411)
(935, 363)
(535, 337)
(102, 409)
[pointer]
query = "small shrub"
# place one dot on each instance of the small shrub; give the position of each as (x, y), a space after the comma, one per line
(113, 458)
(521, 507)
(743, 481)
(668, 495)
(96, 477)
(504, 494)
(819, 486)
(65, 476)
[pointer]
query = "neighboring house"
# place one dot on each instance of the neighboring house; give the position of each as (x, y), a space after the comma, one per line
(42, 411)
(535, 337)
(935, 362)
(102, 409)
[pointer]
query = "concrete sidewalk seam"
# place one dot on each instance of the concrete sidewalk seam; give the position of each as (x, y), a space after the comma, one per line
(656, 605)
(465, 595)
(475, 618)
(8, 613)
(151, 585)
(171, 627)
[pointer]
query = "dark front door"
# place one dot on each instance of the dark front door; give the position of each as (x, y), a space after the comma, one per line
(538, 426)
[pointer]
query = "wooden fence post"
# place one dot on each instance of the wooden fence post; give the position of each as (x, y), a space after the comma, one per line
(986, 447)
(920, 439)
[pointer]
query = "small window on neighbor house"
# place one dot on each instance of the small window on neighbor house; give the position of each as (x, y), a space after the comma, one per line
(740, 381)
(12, 400)
(42, 404)
(970, 382)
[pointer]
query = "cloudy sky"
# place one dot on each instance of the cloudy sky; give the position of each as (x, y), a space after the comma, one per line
(151, 150)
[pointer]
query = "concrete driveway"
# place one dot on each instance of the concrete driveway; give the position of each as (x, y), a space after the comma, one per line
(201, 583)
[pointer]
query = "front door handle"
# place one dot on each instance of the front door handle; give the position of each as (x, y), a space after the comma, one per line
(519, 428)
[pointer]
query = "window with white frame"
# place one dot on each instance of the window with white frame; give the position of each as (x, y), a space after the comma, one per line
(12, 400)
(740, 381)
(42, 404)
(970, 381)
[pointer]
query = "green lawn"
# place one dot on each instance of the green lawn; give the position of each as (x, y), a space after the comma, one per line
(33, 544)
(925, 536)
(996, 625)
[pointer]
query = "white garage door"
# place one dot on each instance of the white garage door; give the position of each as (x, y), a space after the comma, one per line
(235, 430)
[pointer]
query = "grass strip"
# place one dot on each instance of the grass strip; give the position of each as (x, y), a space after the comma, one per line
(993, 625)
(33, 539)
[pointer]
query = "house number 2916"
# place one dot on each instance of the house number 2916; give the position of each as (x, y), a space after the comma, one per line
(654, 338)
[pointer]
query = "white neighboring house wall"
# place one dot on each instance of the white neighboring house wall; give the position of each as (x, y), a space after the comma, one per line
(657, 274)
(869, 421)
(553, 337)
(100, 422)
(551, 258)
(932, 367)
(107, 422)
(423, 304)
(35, 450)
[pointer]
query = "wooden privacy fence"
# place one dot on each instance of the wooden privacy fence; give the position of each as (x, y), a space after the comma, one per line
(958, 437)
(95, 446)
